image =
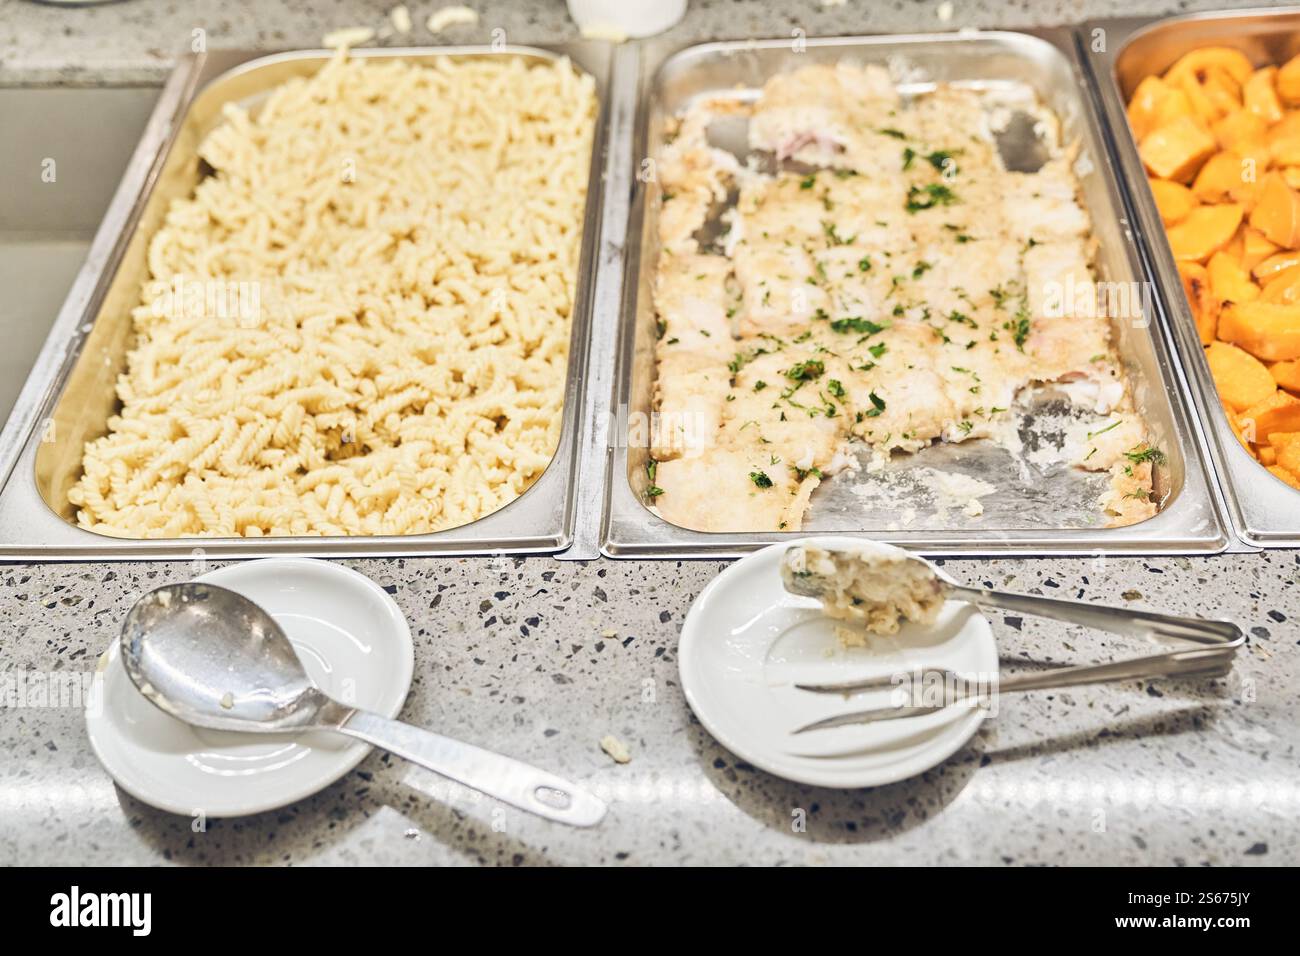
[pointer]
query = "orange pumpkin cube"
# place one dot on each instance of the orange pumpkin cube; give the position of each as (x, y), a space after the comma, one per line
(1260, 96)
(1205, 231)
(1288, 82)
(1242, 379)
(1174, 200)
(1266, 330)
(1200, 296)
(1277, 212)
(1177, 149)
(1287, 375)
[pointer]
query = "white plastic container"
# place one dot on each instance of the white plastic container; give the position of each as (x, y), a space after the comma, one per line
(626, 19)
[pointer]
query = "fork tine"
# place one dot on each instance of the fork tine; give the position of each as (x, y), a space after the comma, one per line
(872, 683)
(871, 716)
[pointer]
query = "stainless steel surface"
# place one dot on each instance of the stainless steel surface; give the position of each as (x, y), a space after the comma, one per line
(69, 395)
(213, 658)
(53, 192)
(1034, 511)
(593, 451)
(1264, 511)
(1197, 664)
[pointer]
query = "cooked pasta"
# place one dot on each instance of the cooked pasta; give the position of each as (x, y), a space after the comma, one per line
(359, 324)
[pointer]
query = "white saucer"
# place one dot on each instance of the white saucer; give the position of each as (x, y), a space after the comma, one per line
(354, 643)
(747, 641)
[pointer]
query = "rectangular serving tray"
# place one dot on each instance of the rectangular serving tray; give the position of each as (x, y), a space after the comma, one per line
(1023, 521)
(69, 394)
(1263, 511)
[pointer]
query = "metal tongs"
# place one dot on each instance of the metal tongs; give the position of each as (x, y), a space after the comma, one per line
(1216, 646)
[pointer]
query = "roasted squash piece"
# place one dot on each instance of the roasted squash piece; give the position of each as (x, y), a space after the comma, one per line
(1177, 149)
(1222, 173)
(1199, 63)
(1174, 200)
(1277, 213)
(1242, 379)
(1283, 440)
(1287, 375)
(1197, 286)
(1205, 231)
(1284, 152)
(1239, 126)
(1280, 412)
(1288, 453)
(1267, 269)
(1206, 108)
(1288, 127)
(1144, 107)
(1230, 282)
(1291, 175)
(1282, 288)
(1288, 82)
(1255, 248)
(1266, 330)
(1260, 96)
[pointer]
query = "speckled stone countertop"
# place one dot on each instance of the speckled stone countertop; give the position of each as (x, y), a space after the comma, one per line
(518, 655)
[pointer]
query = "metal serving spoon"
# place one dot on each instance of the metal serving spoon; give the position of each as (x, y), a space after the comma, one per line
(213, 658)
(1117, 620)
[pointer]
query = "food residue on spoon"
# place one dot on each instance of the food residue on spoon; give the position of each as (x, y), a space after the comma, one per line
(878, 591)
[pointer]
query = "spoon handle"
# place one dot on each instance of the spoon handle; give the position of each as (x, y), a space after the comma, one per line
(510, 781)
(1135, 623)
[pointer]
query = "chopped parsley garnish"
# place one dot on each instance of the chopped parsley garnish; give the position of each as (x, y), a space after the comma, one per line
(864, 264)
(929, 196)
(878, 349)
(1114, 424)
(857, 324)
(939, 159)
(1021, 330)
(833, 237)
(760, 385)
(806, 370)
(836, 388)
(808, 182)
(890, 131)
(654, 491)
(921, 269)
(878, 406)
(760, 478)
(801, 474)
(1140, 454)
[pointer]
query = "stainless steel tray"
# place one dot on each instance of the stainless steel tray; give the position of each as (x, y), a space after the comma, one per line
(69, 394)
(1264, 511)
(1026, 518)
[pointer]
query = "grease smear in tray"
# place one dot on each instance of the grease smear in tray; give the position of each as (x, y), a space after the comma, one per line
(883, 282)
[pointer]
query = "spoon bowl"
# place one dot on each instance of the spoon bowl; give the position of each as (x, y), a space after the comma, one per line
(213, 658)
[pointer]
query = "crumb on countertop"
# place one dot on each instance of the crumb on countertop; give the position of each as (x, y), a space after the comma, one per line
(616, 749)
